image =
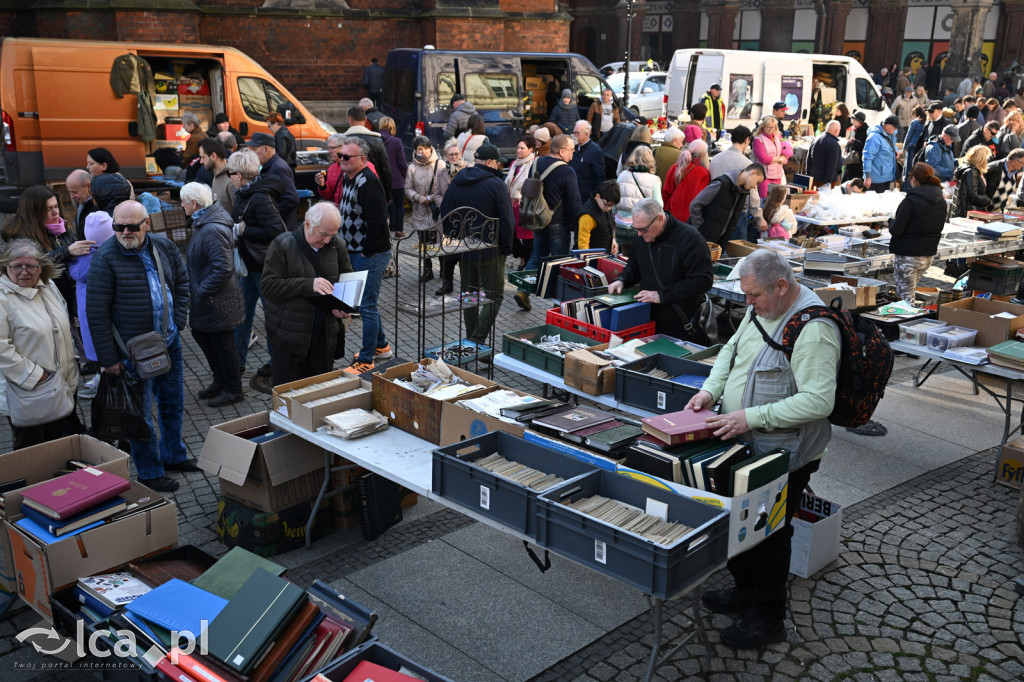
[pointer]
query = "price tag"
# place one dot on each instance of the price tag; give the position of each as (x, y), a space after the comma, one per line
(485, 497)
(661, 400)
(600, 555)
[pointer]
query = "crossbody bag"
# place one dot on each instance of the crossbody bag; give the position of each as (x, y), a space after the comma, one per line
(148, 352)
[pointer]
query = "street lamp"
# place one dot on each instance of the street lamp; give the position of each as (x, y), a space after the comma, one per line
(629, 49)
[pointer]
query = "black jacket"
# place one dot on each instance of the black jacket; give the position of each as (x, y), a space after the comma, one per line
(970, 193)
(978, 137)
(934, 128)
(119, 293)
(287, 279)
(256, 204)
(678, 266)
(588, 164)
(288, 200)
(717, 209)
(377, 154)
(561, 191)
(604, 225)
(215, 297)
(824, 159)
(917, 227)
(480, 188)
(284, 142)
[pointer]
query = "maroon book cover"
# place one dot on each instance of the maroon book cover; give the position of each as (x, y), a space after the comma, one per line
(63, 497)
(675, 428)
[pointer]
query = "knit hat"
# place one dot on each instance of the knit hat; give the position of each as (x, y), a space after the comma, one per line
(487, 152)
(891, 121)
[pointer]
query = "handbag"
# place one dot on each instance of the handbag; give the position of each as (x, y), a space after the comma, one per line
(148, 352)
(240, 269)
(45, 402)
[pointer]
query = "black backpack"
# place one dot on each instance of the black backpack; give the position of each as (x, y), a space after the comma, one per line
(922, 152)
(865, 363)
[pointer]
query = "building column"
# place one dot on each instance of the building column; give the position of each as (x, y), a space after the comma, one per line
(832, 16)
(686, 25)
(965, 41)
(722, 22)
(887, 21)
(1009, 46)
(777, 26)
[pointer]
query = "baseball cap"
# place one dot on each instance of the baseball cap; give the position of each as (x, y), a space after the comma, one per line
(891, 121)
(487, 152)
(716, 86)
(260, 140)
(953, 133)
(909, 88)
(779, 105)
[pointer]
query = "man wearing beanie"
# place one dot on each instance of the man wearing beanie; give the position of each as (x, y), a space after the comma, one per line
(221, 123)
(565, 114)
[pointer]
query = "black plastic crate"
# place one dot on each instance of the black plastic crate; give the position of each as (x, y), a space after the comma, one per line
(655, 569)
(568, 290)
(999, 282)
(457, 478)
(635, 388)
(512, 345)
(375, 652)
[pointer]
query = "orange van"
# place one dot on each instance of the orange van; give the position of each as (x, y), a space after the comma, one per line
(57, 102)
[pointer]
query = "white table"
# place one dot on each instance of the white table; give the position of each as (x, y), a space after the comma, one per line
(849, 221)
(408, 460)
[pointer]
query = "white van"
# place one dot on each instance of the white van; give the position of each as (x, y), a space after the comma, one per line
(753, 81)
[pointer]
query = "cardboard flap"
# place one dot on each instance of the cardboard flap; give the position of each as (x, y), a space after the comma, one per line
(228, 456)
(289, 457)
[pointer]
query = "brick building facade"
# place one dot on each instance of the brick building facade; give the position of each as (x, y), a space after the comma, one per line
(317, 48)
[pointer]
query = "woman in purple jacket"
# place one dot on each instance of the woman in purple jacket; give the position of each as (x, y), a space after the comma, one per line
(396, 154)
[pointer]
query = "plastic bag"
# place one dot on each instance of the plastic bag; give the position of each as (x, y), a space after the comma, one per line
(117, 410)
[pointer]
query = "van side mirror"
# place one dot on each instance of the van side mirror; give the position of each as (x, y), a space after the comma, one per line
(243, 128)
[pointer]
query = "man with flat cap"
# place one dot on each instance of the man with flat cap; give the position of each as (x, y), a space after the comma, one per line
(272, 164)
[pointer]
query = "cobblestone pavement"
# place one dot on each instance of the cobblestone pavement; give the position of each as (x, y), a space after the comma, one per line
(922, 589)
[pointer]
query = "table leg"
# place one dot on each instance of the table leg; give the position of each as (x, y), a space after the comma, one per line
(319, 499)
(698, 622)
(652, 663)
(918, 382)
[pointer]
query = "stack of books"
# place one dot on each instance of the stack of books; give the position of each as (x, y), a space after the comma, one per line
(547, 275)
(1007, 354)
(999, 231)
(590, 427)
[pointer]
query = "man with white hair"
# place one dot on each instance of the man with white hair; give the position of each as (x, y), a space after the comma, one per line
(305, 340)
(229, 141)
(825, 157)
(139, 285)
(373, 114)
(77, 183)
(668, 152)
(770, 402)
(587, 161)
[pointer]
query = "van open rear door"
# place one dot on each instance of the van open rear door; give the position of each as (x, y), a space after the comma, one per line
(690, 74)
(66, 87)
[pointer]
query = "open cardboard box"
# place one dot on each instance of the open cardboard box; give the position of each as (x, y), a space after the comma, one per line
(1010, 465)
(414, 412)
(268, 476)
(860, 297)
(41, 463)
(589, 373)
(461, 423)
(737, 248)
(312, 417)
(976, 313)
(43, 569)
(284, 405)
(815, 543)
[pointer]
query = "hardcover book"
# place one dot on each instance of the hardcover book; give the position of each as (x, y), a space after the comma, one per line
(758, 471)
(664, 347)
(675, 428)
(298, 631)
(101, 511)
(114, 589)
(574, 419)
(176, 605)
(226, 577)
(63, 497)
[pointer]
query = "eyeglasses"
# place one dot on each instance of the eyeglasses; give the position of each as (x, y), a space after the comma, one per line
(131, 227)
(23, 268)
(642, 230)
(233, 173)
(349, 157)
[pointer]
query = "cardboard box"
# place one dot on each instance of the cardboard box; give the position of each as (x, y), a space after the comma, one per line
(535, 83)
(798, 201)
(589, 373)
(269, 534)
(459, 423)
(975, 313)
(413, 412)
(738, 248)
(41, 463)
(752, 517)
(1010, 465)
(267, 477)
(861, 297)
(168, 131)
(815, 541)
(295, 410)
(43, 569)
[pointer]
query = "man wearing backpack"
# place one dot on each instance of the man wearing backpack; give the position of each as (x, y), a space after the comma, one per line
(561, 192)
(938, 153)
(771, 401)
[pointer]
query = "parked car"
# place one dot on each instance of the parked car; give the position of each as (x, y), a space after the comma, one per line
(646, 91)
(634, 65)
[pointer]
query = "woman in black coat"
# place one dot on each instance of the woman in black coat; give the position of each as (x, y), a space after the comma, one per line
(257, 223)
(971, 190)
(284, 141)
(215, 298)
(856, 144)
(916, 229)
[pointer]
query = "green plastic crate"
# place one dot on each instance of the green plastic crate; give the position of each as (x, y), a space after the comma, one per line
(512, 345)
(518, 280)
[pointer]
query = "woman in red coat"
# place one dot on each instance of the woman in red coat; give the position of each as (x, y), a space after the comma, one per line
(685, 180)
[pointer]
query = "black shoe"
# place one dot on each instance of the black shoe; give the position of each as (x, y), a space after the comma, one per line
(729, 602)
(427, 276)
(210, 391)
(265, 371)
(523, 300)
(226, 399)
(161, 485)
(754, 632)
(189, 465)
(447, 287)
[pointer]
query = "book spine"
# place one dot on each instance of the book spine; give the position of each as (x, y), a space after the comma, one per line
(87, 599)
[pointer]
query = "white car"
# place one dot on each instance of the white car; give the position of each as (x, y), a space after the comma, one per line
(646, 91)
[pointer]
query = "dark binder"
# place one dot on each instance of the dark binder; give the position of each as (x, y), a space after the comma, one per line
(381, 502)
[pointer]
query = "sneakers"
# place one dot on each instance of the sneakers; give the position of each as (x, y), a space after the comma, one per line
(89, 388)
(211, 391)
(523, 300)
(729, 602)
(161, 485)
(384, 353)
(225, 399)
(358, 367)
(252, 339)
(754, 632)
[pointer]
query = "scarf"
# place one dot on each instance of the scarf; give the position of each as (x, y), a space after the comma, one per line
(56, 228)
(517, 174)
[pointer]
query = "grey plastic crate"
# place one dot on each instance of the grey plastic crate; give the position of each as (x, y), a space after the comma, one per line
(456, 478)
(375, 652)
(633, 387)
(512, 345)
(657, 570)
(567, 290)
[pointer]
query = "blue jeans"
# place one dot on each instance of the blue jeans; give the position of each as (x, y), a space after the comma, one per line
(373, 330)
(169, 391)
(553, 240)
(251, 292)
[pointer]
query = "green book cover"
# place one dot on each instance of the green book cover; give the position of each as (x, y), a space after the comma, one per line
(663, 347)
(758, 471)
(227, 576)
(618, 436)
(1011, 349)
(613, 300)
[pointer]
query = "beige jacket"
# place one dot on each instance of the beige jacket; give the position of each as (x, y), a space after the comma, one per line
(27, 336)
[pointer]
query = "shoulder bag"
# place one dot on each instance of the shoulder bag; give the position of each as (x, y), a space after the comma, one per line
(148, 352)
(48, 400)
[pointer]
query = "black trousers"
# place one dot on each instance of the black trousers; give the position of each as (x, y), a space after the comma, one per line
(26, 436)
(880, 186)
(762, 571)
(290, 367)
(222, 356)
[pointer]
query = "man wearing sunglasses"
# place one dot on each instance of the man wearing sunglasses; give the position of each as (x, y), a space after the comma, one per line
(129, 291)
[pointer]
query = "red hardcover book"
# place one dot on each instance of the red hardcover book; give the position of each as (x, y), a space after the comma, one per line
(371, 672)
(164, 665)
(193, 667)
(63, 497)
(675, 428)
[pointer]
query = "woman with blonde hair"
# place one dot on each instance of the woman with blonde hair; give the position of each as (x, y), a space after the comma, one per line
(638, 181)
(641, 136)
(771, 151)
(686, 179)
(1011, 132)
(970, 194)
(399, 166)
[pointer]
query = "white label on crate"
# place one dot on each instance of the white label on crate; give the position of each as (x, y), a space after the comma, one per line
(485, 497)
(661, 400)
(599, 552)
(657, 508)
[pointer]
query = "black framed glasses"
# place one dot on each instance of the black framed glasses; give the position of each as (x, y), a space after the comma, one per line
(131, 227)
(642, 230)
(23, 268)
(349, 157)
